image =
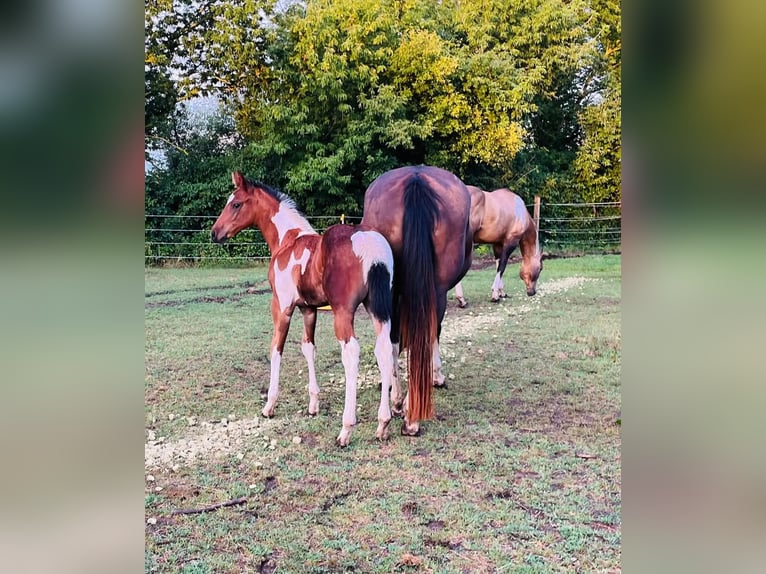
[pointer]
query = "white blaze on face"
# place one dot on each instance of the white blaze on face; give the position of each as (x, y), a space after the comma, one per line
(231, 198)
(284, 286)
(371, 247)
(286, 218)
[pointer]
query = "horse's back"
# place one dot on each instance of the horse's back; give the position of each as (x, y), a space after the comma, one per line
(384, 212)
(505, 217)
(348, 254)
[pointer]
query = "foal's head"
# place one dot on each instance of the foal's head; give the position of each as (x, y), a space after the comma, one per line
(530, 271)
(239, 211)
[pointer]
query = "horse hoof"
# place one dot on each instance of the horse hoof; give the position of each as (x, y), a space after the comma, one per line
(410, 430)
(462, 303)
(442, 385)
(315, 413)
(495, 299)
(344, 437)
(382, 433)
(267, 413)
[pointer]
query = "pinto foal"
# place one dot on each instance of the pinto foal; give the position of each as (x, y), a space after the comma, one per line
(343, 268)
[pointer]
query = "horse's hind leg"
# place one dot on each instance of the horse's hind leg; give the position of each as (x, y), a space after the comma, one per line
(349, 346)
(397, 399)
(461, 302)
(441, 307)
(384, 353)
(309, 351)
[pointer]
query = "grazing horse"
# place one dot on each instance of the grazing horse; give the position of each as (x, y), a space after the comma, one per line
(343, 268)
(423, 213)
(501, 219)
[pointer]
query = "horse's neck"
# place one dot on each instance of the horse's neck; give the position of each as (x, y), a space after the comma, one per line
(282, 223)
(528, 244)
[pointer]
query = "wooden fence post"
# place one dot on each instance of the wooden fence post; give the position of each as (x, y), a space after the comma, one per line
(536, 214)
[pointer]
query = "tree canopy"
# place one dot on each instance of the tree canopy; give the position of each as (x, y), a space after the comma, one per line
(327, 94)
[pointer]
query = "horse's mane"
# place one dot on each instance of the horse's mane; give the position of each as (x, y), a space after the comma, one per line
(283, 199)
(275, 193)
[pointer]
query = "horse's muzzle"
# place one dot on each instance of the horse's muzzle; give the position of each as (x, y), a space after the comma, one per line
(531, 292)
(215, 237)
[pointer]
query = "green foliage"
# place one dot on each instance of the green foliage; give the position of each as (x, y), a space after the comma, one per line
(328, 94)
(598, 163)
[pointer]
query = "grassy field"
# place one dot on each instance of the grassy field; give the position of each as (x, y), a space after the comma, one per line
(518, 472)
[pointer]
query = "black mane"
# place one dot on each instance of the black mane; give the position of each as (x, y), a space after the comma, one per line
(276, 194)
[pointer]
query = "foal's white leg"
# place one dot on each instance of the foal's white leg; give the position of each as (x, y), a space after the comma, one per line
(437, 366)
(271, 401)
(461, 302)
(386, 361)
(309, 351)
(281, 326)
(396, 389)
(350, 356)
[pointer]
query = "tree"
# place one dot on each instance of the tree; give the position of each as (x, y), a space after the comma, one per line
(599, 158)
(328, 94)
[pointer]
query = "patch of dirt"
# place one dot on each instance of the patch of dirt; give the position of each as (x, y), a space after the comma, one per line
(450, 544)
(207, 299)
(211, 441)
(334, 500)
(309, 439)
(269, 484)
(410, 509)
(267, 566)
(503, 494)
(246, 285)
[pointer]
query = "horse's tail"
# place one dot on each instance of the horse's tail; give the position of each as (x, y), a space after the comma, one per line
(379, 280)
(418, 288)
(378, 260)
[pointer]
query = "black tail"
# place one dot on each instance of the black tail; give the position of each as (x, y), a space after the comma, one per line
(379, 291)
(418, 300)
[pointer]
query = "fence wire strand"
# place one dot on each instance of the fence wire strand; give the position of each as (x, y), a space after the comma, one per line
(562, 227)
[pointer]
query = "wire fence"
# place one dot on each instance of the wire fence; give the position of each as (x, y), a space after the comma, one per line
(565, 228)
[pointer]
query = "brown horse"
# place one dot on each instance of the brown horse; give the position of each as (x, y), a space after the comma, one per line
(501, 219)
(343, 268)
(423, 213)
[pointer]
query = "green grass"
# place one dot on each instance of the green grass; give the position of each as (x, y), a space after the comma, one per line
(518, 472)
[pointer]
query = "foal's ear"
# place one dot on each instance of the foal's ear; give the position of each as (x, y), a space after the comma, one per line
(238, 179)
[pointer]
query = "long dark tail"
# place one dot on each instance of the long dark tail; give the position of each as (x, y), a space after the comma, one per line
(418, 300)
(379, 291)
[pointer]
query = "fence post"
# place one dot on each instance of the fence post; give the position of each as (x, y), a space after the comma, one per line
(536, 214)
